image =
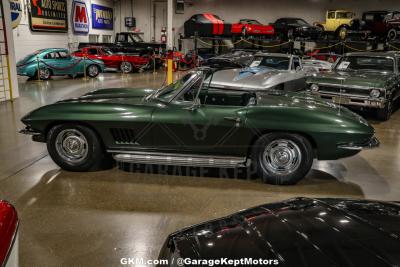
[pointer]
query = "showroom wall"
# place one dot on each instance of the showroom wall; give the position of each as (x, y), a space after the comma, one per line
(27, 41)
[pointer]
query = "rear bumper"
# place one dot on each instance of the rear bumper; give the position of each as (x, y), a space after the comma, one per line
(370, 144)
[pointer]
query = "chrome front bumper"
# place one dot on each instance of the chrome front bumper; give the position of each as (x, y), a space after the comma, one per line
(370, 144)
(353, 100)
(36, 136)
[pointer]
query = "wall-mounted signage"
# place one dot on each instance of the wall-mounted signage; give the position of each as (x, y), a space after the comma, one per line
(48, 15)
(16, 12)
(102, 17)
(80, 17)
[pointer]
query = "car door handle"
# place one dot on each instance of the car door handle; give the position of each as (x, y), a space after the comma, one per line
(234, 119)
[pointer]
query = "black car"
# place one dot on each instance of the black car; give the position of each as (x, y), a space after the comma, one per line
(232, 60)
(207, 25)
(130, 42)
(296, 28)
(297, 232)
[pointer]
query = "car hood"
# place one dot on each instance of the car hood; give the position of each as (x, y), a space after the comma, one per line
(299, 232)
(112, 95)
(251, 78)
(356, 78)
(305, 27)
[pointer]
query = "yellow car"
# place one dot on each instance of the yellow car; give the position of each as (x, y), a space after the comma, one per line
(338, 22)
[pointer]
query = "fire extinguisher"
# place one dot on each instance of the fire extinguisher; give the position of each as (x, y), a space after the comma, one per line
(163, 35)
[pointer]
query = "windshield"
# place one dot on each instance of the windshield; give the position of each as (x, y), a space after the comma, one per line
(354, 63)
(167, 92)
(279, 63)
(297, 21)
(250, 21)
(107, 51)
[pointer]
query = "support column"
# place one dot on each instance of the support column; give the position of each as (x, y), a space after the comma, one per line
(170, 13)
(11, 69)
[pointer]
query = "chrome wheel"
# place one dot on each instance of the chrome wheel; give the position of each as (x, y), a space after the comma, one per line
(44, 74)
(342, 33)
(72, 146)
(282, 157)
(126, 67)
(392, 34)
(93, 70)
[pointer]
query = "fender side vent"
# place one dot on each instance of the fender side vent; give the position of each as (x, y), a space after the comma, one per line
(123, 136)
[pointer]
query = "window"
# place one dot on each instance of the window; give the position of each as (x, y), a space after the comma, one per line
(279, 63)
(191, 92)
(331, 15)
(92, 51)
(107, 38)
(366, 63)
(344, 15)
(51, 55)
(63, 54)
(93, 38)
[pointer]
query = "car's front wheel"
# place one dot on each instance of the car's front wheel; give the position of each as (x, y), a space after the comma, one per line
(77, 148)
(392, 35)
(44, 74)
(282, 158)
(93, 71)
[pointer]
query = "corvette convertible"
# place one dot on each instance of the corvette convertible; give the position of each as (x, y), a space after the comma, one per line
(190, 123)
(57, 62)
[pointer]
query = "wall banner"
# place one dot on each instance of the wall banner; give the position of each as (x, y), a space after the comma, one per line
(102, 17)
(80, 17)
(16, 12)
(48, 15)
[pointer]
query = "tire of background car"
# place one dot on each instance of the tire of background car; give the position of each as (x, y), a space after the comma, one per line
(92, 71)
(383, 114)
(342, 32)
(44, 74)
(126, 67)
(392, 34)
(77, 148)
(282, 158)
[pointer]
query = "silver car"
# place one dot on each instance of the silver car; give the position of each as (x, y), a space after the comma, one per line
(266, 71)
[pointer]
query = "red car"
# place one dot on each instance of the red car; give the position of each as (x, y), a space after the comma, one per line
(252, 27)
(8, 234)
(125, 63)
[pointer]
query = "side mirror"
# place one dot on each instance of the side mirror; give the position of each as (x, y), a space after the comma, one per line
(195, 105)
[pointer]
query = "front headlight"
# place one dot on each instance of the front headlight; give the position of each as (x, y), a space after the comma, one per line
(314, 87)
(375, 93)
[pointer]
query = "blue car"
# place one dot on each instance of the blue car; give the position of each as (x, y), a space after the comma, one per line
(49, 62)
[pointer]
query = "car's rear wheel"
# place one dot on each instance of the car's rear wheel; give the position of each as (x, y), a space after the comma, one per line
(342, 33)
(92, 71)
(126, 67)
(282, 159)
(44, 74)
(77, 148)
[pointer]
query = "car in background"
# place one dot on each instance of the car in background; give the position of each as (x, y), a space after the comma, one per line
(49, 62)
(295, 232)
(339, 23)
(8, 235)
(124, 62)
(206, 25)
(237, 58)
(297, 28)
(266, 71)
(252, 27)
(279, 133)
(130, 43)
(382, 23)
(368, 80)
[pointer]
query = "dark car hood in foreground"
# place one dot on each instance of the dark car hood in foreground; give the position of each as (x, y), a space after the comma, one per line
(298, 232)
(368, 79)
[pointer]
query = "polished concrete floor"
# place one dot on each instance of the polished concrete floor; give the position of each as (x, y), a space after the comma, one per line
(95, 219)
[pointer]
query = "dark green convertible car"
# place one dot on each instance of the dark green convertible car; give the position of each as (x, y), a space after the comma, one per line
(189, 123)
